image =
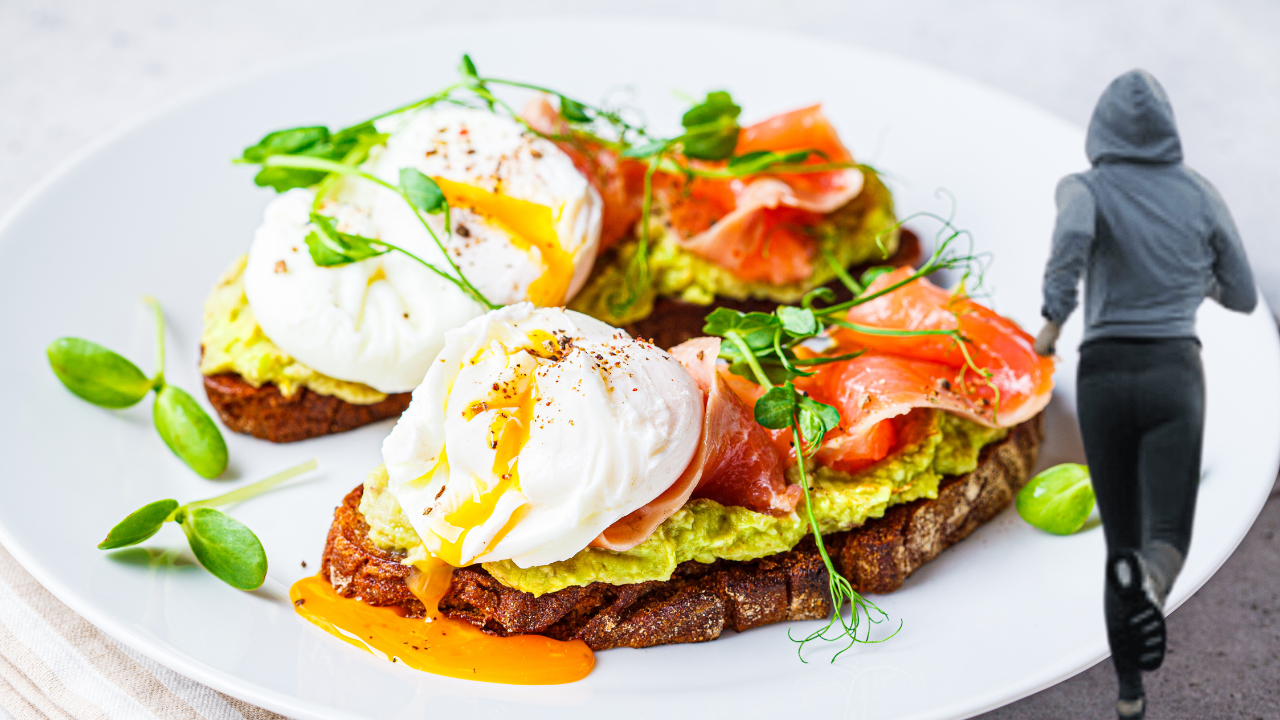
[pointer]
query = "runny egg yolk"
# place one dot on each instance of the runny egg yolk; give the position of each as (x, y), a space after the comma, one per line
(438, 644)
(508, 433)
(530, 225)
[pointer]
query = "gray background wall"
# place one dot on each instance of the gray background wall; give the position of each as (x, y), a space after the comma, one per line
(73, 69)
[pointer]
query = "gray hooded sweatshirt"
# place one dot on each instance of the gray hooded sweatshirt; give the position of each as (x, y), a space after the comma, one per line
(1152, 237)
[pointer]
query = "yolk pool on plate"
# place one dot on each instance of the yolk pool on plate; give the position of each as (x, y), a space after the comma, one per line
(530, 225)
(440, 645)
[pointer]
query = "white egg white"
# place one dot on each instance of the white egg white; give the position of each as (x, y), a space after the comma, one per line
(381, 321)
(615, 422)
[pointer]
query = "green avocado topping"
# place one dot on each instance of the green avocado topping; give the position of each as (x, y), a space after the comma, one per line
(849, 235)
(931, 444)
(233, 342)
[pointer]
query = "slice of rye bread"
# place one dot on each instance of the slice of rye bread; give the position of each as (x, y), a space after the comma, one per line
(701, 600)
(264, 412)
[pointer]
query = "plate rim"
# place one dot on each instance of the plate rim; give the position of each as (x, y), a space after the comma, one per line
(190, 667)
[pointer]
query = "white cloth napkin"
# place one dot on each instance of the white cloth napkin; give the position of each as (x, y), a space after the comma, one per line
(54, 665)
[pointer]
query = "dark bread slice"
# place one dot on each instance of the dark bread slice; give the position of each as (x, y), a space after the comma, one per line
(701, 600)
(264, 412)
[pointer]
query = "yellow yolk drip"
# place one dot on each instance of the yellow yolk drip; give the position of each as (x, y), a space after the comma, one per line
(508, 432)
(441, 646)
(530, 225)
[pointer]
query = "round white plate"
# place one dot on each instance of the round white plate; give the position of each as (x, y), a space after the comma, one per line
(159, 209)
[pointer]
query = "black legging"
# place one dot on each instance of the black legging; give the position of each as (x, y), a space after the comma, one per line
(1141, 407)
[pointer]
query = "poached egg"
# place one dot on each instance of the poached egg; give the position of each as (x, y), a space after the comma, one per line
(534, 431)
(525, 225)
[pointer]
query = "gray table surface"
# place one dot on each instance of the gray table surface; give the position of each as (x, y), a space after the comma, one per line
(73, 69)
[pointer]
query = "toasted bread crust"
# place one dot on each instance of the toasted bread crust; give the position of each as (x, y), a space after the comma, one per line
(264, 412)
(701, 600)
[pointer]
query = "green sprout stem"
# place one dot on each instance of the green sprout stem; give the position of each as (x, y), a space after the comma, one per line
(752, 361)
(840, 588)
(251, 491)
(311, 163)
(157, 381)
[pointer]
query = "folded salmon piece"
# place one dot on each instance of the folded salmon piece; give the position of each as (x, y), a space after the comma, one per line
(755, 226)
(736, 463)
(897, 374)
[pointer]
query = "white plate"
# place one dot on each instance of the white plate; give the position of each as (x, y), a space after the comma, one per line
(158, 209)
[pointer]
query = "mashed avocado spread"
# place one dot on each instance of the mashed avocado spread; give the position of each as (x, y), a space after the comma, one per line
(233, 342)
(848, 235)
(932, 444)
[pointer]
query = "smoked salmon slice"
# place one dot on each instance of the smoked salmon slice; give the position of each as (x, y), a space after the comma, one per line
(897, 374)
(736, 463)
(756, 227)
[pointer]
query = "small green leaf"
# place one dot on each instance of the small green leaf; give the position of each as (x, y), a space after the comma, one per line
(773, 370)
(872, 273)
(140, 525)
(97, 374)
(573, 111)
(829, 416)
(776, 409)
(799, 322)
(650, 148)
(225, 547)
(189, 432)
(712, 143)
(286, 142)
(1058, 500)
(711, 127)
(717, 106)
(756, 329)
(330, 248)
(468, 68)
(281, 179)
(811, 429)
(423, 192)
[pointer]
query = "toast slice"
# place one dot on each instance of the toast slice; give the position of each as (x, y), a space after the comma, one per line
(701, 600)
(264, 412)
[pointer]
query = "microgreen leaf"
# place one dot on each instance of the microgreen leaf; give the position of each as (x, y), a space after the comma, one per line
(189, 432)
(872, 273)
(711, 142)
(468, 69)
(1058, 500)
(776, 409)
(757, 329)
(97, 374)
(225, 547)
(799, 322)
(330, 248)
(422, 192)
(652, 147)
(140, 525)
(717, 107)
(573, 111)
(286, 142)
(816, 419)
(711, 127)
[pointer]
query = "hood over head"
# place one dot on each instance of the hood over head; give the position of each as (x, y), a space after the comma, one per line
(1133, 122)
